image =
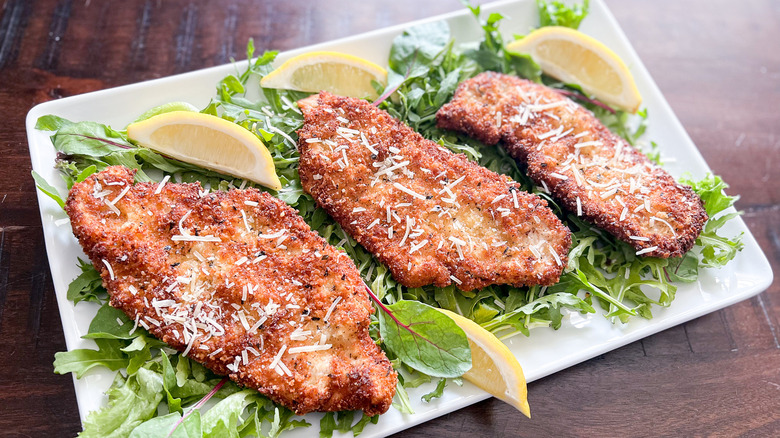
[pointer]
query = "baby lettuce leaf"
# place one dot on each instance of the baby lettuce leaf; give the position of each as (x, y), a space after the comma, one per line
(89, 138)
(131, 401)
(425, 339)
(223, 418)
(158, 427)
(413, 52)
(51, 122)
(153, 377)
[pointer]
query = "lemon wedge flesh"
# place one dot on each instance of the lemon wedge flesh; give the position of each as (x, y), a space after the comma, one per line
(573, 57)
(493, 367)
(207, 141)
(338, 73)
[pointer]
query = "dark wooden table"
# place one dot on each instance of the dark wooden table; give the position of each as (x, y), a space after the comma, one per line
(716, 61)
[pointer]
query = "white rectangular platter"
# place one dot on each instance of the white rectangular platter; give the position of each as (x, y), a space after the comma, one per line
(546, 351)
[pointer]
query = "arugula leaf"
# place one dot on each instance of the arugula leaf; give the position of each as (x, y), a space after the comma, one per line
(88, 286)
(281, 421)
(556, 13)
(401, 400)
(80, 361)
(425, 339)
(412, 54)
(715, 250)
(437, 392)
(593, 282)
(183, 370)
(342, 422)
(328, 425)
(653, 153)
(711, 190)
(48, 189)
(523, 312)
(84, 174)
(523, 65)
(491, 53)
(358, 427)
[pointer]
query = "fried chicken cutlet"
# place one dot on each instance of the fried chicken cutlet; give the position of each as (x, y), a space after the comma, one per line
(238, 282)
(431, 216)
(592, 172)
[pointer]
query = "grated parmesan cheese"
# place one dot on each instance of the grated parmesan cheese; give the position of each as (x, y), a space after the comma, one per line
(331, 309)
(110, 269)
(646, 250)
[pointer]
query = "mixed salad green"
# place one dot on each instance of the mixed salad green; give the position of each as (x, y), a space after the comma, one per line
(156, 389)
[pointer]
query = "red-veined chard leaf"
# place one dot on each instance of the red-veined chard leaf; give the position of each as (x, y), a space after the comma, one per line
(425, 339)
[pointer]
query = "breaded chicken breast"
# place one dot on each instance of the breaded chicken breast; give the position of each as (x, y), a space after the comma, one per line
(589, 170)
(432, 216)
(238, 282)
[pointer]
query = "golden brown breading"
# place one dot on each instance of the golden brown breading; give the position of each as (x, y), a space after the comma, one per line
(432, 216)
(588, 169)
(238, 282)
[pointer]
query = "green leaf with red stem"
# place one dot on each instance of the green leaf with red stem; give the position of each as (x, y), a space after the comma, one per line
(197, 405)
(391, 88)
(424, 338)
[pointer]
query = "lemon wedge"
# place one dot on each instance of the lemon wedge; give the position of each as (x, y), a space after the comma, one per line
(573, 57)
(207, 141)
(338, 73)
(493, 367)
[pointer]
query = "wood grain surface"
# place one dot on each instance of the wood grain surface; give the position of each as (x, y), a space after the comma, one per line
(716, 61)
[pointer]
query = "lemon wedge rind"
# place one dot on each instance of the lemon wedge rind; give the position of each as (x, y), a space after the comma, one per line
(574, 57)
(494, 368)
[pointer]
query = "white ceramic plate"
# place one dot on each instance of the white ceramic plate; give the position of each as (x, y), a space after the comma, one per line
(546, 351)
